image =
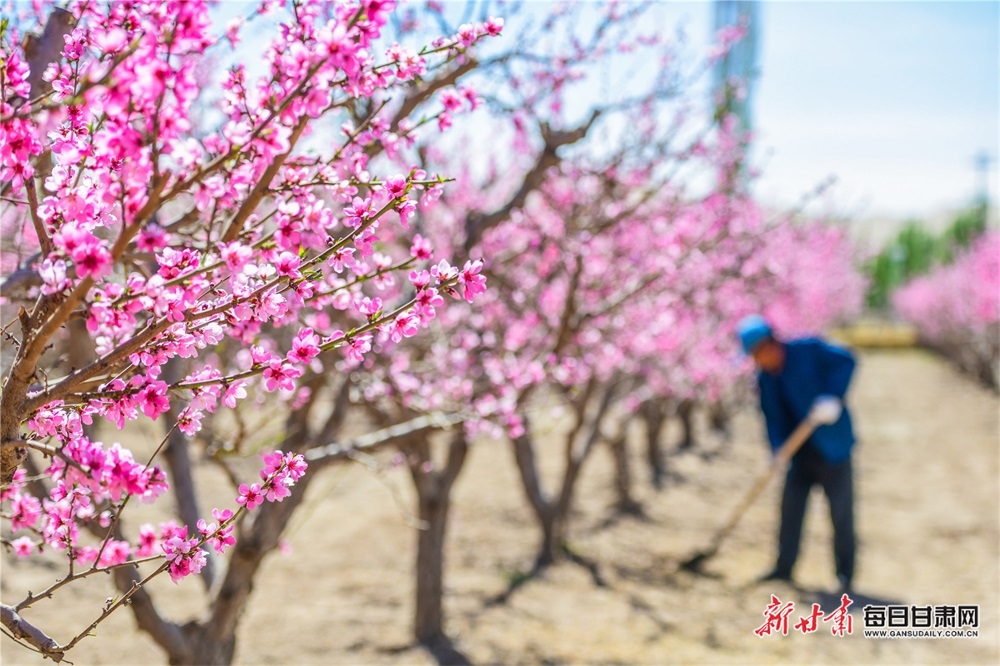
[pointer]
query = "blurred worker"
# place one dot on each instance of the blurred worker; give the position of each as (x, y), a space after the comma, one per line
(806, 379)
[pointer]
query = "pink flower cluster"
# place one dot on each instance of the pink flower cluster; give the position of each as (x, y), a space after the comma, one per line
(280, 473)
(57, 520)
(106, 473)
(92, 478)
(185, 555)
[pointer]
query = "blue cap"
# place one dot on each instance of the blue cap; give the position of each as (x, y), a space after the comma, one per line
(753, 329)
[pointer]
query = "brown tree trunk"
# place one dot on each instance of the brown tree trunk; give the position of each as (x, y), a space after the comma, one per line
(203, 649)
(626, 502)
(654, 415)
(433, 502)
(80, 352)
(39, 50)
(428, 625)
(178, 458)
(552, 514)
(718, 419)
(684, 412)
(541, 504)
(212, 641)
(553, 528)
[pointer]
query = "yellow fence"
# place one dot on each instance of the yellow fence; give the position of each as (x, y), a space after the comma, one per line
(874, 333)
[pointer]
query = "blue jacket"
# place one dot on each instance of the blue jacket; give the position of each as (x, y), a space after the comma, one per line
(812, 368)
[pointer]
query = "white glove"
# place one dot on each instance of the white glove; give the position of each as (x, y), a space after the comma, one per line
(826, 410)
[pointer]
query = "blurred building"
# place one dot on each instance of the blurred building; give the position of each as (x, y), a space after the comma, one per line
(735, 74)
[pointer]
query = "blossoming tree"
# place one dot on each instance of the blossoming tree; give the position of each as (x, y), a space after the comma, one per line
(956, 308)
(176, 238)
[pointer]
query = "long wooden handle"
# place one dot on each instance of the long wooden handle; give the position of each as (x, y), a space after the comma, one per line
(785, 452)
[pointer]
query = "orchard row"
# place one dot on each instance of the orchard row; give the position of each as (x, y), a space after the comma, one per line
(375, 215)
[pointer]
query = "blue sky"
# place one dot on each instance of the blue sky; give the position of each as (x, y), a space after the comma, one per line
(894, 99)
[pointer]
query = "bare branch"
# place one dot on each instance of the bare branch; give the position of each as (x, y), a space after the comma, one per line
(38, 446)
(24, 630)
(476, 224)
(339, 451)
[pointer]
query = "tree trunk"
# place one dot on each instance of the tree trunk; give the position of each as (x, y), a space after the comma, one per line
(654, 415)
(428, 623)
(178, 458)
(212, 641)
(553, 537)
(433, 502)
(203, 649)
(553, 514)
(80, 353)
(718, 419)
(168, 635)
(542, 506)
(684, 412)
(626, 502)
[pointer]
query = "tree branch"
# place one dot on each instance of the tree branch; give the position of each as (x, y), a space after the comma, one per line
(458, 450)
(418, 95)
(260, 189)
(527, 466)
(21, 279)
(339, 451)
(477, 223)
(24, 630)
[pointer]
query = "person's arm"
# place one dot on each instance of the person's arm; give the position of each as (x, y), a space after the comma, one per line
(837, 367)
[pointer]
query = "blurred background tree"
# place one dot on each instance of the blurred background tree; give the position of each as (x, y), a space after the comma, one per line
(915, 251)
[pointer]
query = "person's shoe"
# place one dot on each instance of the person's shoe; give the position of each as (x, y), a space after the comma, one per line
(845, 584)
(775, 574)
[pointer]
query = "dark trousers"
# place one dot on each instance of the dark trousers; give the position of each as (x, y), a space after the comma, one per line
(836, 479)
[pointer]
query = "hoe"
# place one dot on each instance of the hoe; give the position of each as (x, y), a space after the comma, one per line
(781, 458)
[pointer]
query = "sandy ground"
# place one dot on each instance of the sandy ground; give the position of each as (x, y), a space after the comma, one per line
(928, 484)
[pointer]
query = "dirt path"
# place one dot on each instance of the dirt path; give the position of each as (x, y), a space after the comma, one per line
(928, 483)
